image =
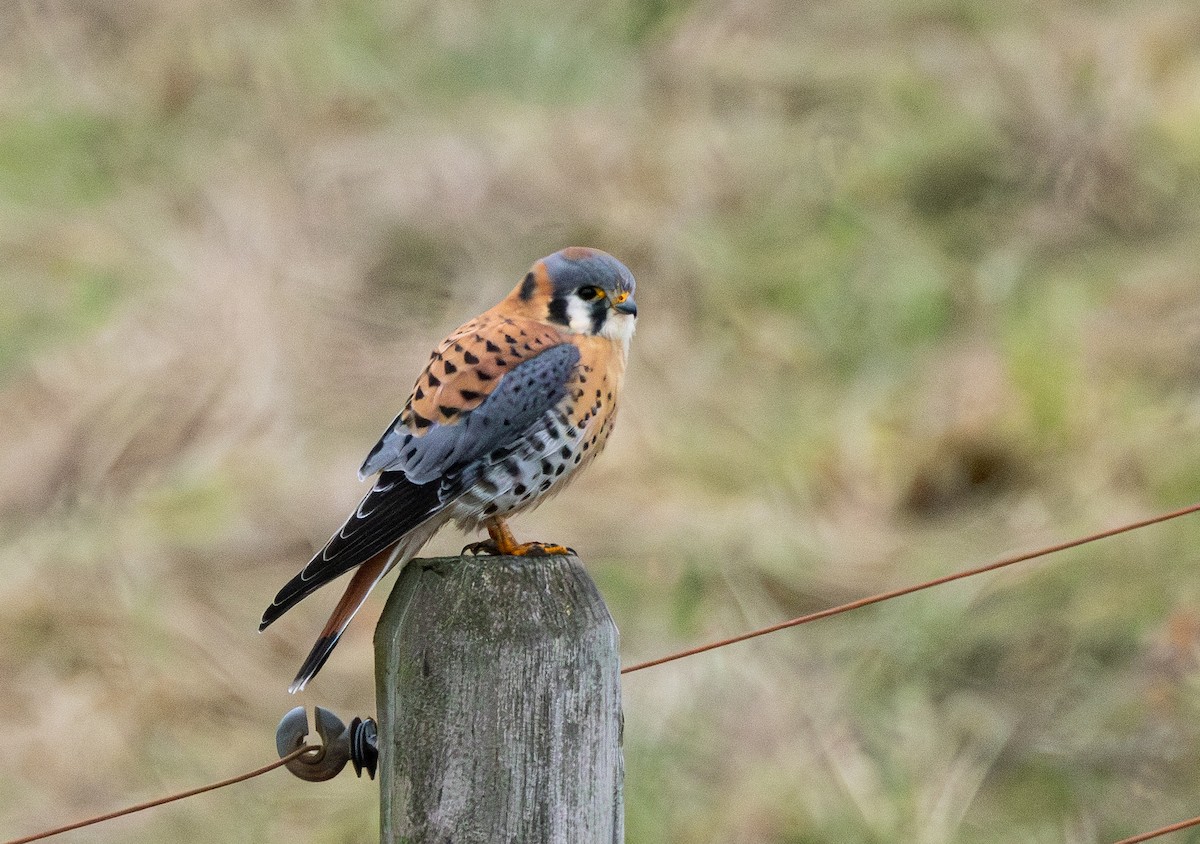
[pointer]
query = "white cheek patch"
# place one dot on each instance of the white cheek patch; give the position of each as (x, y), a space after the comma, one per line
(579, 316)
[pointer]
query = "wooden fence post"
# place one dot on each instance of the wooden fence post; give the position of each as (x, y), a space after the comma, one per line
(499, 699)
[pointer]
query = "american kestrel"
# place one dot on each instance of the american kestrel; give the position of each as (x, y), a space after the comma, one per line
(510, 407)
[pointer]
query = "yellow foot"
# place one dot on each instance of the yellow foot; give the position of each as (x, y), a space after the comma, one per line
(540, 549)
(503, 544)
(525, 549)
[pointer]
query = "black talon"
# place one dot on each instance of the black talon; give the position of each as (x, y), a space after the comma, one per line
(486, 547)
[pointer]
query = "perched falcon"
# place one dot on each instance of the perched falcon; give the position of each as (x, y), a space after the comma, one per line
(510, 407)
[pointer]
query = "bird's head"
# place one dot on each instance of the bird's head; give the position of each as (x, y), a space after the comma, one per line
(582, 291)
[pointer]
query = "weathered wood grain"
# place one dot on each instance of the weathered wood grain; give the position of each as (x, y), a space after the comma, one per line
(498, 686)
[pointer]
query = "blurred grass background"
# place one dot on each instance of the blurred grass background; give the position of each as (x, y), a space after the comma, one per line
(918, 288)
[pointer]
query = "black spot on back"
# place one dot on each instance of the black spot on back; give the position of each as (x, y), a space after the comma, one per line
(470, 359)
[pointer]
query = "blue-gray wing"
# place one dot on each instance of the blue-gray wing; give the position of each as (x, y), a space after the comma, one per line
(520, 399)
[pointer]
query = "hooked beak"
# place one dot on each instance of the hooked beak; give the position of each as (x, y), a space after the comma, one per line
(627, 306)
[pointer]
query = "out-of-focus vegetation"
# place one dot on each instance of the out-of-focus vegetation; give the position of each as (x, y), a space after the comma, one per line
(918, 288)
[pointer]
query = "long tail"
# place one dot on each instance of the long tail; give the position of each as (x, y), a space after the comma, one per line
(360, 586)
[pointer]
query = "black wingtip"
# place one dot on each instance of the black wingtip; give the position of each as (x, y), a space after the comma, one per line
(292, 593)
(315, 661)
(271, 614)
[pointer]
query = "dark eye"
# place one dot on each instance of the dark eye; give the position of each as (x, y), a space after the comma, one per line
(590, 294)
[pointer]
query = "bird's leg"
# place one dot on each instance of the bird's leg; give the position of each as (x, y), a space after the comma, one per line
(501, 535)
(503, 543)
